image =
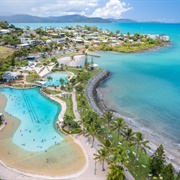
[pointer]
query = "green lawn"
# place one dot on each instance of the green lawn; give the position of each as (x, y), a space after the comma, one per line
(69, 105)
(32, 78)
(5, 52)
(50, 91)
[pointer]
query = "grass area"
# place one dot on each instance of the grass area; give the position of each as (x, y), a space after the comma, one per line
(129, 47)
(20, 85)
(5, 52)
(50, 91)
(74, 70)
(32, 78)
(138, 171)
(69, 105)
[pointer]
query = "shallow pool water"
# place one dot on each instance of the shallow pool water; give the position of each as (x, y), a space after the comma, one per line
(37, 114)
(56, 79)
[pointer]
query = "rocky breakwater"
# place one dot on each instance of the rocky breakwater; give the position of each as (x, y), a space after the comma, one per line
(94, 97)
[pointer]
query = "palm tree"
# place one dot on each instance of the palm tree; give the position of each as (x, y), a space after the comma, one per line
(140, 144)
(116, 172)
(117, 160)
(128, 135)
(93, 131)
(119, 155)
(49, 78)
(108, 117)
(107, 145)
(67, 121)
(83, 123)
(62, 81)
(101, 156)
(118, 125)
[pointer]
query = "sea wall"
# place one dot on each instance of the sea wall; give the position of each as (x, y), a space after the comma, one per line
(94, 97)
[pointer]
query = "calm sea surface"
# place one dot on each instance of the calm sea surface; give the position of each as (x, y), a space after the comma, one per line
(145, 86)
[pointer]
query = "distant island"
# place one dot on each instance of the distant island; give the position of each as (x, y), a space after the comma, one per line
(24, 18)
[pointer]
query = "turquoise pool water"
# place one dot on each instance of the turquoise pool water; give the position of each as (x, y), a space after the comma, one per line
(37, 114)
(55, 79)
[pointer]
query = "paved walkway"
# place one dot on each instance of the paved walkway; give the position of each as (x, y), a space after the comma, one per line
(75, 108)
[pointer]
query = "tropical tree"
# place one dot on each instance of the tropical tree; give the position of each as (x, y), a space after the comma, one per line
(86, 60)
(168, 172)
(72, 58)
(118, 125)
(83, 123)
(101, 156)
(49, 78)
(67, 121)
(116, 172)
(62, 81)
(119, 156)
(128, 135)
(117, 31)
(79, 88)
(92, 131)
(108, 117)
(157, 161)
(61, 67)
(178, 176)
(140, 144)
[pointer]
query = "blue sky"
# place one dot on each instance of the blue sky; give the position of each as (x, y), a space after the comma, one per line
(140, 10)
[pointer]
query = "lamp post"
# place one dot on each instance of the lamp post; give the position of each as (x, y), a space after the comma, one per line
(95, 167)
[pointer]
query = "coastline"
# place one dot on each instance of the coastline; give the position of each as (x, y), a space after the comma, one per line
(164, 45)
(155, 139)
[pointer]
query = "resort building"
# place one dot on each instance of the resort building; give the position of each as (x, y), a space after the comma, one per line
(10, 76)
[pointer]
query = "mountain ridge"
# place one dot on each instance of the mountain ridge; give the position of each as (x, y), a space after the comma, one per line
(25, 18)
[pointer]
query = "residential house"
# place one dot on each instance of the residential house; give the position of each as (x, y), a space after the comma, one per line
(164, 38)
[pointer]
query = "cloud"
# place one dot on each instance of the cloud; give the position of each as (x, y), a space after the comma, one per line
(112, 9)
(47, 8)
(60, 7)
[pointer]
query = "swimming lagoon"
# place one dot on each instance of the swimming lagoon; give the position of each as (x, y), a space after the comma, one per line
(55, 81)
(37, 115)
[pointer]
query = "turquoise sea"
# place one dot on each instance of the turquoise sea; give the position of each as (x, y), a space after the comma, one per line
(145, 86)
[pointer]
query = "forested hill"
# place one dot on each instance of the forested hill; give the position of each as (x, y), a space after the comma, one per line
(23, 18)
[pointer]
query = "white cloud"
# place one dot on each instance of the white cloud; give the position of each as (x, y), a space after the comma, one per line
(112, 9)
(59, 7)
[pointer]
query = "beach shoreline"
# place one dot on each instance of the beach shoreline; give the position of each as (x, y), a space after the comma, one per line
(155, 139)
(19, 160)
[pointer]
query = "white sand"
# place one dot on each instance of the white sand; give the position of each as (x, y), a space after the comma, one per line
(78, 60)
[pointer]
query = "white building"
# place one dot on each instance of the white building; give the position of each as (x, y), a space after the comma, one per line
(153, 36)
(4, 31)
(164, 38)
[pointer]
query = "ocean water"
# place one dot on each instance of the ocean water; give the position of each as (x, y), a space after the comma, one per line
(37, 114)
(144, 86)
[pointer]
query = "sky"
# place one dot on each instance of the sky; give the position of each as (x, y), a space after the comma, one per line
(139, 10)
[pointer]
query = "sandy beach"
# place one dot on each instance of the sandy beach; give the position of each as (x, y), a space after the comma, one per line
(16, 163)
(77, 60)
(60, 160)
